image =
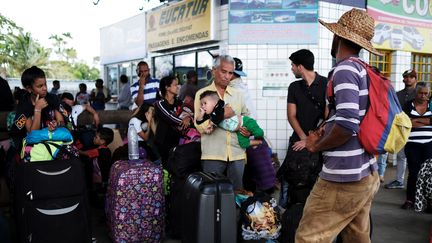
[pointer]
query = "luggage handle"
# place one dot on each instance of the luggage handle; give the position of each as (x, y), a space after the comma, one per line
(218, 224)
(60, 211)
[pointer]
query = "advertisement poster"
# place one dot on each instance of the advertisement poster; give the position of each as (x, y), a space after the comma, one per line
(179, 24)
(273, 22)
(402, 25)
(276, 77)
(353, 3)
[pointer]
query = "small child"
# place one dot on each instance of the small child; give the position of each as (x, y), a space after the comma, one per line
(71, 111)
(100, 156)
(82, 97)
(36, 108)
(212, 107)
(83, 137)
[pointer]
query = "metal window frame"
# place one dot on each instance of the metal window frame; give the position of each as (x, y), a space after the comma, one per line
(422, 64)
(385, 61)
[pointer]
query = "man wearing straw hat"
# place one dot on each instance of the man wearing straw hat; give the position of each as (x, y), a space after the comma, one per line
(342, 196)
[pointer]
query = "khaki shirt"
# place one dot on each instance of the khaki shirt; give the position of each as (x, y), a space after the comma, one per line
(220, 144)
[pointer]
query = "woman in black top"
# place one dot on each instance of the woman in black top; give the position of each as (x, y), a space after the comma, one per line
(419, 145)
(170, 126)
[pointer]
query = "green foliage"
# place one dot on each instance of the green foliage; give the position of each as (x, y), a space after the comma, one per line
(19, 51)
(83, 71)
(23, 52)
(7, 28)
(60, 44)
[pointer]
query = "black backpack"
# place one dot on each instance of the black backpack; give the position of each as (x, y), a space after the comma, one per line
(300, 168)
(184, 159)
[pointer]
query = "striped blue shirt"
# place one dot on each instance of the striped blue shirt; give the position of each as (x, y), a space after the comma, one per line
(151, 89)
(348, 162)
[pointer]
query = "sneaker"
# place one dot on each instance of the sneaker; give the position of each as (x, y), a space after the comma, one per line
(381, 179)
(408, 205)
(394, 185)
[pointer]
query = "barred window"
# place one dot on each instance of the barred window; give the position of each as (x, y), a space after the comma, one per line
(382, 63)
(422, 63)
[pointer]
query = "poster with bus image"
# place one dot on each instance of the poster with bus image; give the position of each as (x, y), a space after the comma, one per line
(273, 21)
(402, 25)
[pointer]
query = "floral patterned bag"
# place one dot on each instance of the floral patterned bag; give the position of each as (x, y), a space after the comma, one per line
(135, 202)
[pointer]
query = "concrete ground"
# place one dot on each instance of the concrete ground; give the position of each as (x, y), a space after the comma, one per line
(390, 222)
(393, 224)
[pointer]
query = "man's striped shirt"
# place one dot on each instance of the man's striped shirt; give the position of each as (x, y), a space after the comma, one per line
(151, 88)
(348, 162)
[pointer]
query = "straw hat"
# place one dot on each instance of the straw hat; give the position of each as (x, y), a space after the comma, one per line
(357, 26)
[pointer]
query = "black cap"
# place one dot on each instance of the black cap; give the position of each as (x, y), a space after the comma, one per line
(410, 73)
(239, 67)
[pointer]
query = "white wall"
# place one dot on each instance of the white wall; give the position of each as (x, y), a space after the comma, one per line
(272, 110)
(401, 61)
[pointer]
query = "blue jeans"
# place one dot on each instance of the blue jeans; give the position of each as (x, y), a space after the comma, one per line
(283, 195)
(234, 170)
(401, 165)
(382, 164)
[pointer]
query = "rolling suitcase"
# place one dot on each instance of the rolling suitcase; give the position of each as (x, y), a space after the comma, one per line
(51, 202)
(183, 160)
(209, 209)
(135, 202)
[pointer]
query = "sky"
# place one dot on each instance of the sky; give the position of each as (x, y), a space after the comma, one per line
(81, 18)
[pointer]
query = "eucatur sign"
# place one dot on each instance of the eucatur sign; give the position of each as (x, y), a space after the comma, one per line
(184, 23)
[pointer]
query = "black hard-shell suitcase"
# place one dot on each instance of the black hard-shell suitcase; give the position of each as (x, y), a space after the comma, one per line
(51, 202)
(183, 160)
(209, 209)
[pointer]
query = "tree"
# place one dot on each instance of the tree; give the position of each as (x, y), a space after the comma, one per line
(83, 71)
(60, 43)
(23, 52)
(70, 54)
(7, 28)
(19, 51)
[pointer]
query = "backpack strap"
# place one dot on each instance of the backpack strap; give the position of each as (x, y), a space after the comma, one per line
(59, 147)
(330, 92)
(48, 149)
(318, 105)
